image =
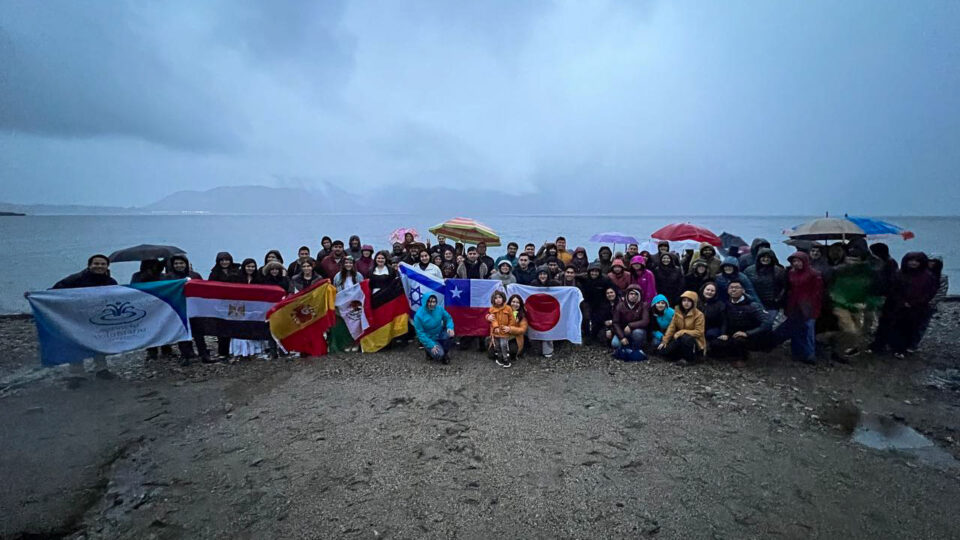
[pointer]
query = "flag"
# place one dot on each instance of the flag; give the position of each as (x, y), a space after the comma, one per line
(353, 305)
(468, 302)
(387, 310)
(299, 321)
(73, 324)
(418, 286)
(553, 313)
(230, 309)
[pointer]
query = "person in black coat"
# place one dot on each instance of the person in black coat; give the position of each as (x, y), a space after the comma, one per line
(745, 325)
(273, 275)
(525, 271)
(178, 267)
(225, 269)
(601, 316)
(249, 273)
(669, 277)
(713, 309)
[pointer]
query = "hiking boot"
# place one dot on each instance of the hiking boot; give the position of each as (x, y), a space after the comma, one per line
(899, 355)
(105, 374)
(504, 363)
(851, 352)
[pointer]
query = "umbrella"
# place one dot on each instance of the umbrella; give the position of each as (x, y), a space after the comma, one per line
(397, 235)
(826, 229)
(686, 231)
(732, 240)
(145, 252)
(466, 230)
(876, 228)
(614, 237)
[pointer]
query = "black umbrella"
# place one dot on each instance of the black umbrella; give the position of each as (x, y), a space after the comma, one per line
(799, 243)
(145, 252)
(732, 240)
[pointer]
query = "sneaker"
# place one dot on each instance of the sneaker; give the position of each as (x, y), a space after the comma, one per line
(504, 363)
(548, 355)
(105, 374)
(911, 351)
(851, 352)
(899, 355)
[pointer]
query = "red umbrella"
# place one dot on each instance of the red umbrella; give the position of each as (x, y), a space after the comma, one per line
(676, 232)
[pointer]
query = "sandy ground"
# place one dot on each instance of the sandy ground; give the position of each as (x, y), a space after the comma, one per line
(392, 446)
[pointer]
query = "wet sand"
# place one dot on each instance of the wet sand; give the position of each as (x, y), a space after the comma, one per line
(392, 446)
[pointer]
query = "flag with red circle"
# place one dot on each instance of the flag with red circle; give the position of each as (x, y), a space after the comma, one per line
(553, 313)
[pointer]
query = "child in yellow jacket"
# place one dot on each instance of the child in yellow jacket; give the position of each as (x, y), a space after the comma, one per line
(508, 324)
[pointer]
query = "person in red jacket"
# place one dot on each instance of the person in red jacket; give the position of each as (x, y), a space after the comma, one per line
(804, 302)
(630, 319)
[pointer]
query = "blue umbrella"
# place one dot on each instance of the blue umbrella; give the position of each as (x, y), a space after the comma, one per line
(614, 237)
(876, 228)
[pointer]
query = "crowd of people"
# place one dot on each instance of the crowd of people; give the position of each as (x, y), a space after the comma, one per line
(680, 306)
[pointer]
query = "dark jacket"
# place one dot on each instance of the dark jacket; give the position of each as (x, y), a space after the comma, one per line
(714, 313)
(226, 275)
(170, 273)
(255, 279)
(594, 289)
(913, 289)
(601, 313)
(357, 252)
(381, 281)
(769, 281)
(605, 260)
(85, 278)
(525, 277)
(670, 279)
(723, 280)
(695, 282)
(298, 283)
(749, 259)
(746, 316)
(636, 316)
(330, 266)
(477, 270)
(149, 271)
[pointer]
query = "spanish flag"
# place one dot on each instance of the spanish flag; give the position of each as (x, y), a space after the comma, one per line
(299, 321)
(387, 310)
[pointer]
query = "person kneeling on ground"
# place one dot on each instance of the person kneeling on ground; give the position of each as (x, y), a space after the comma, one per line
(661, 315)
(745, 325)
(434, 327)
(685, 337)
(630, 320)
(508, 324)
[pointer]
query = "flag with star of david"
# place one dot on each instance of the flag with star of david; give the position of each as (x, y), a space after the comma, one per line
(418, 286)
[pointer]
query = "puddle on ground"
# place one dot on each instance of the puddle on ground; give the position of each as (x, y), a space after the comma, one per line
(884, 433)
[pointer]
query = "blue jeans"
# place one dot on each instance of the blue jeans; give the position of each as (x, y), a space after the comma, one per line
(637, 338)
(444, 343)
(801, 333)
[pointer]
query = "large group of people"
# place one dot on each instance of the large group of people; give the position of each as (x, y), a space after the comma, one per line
(681, 306)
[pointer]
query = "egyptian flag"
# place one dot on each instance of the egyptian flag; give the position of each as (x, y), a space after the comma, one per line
(387, 314)
(299, 321)
(553, 313)
(230, 309)
(468, 302)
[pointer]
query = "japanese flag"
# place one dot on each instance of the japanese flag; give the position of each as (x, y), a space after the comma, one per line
(553, 313)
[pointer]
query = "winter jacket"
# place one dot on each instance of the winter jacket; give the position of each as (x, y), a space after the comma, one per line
(581, 262)
(525, 277)
(749, 259)
(217, 273)
(299, 283)
(913, 289)
(669, 279)
(605, 260)
(769, 281)
(659, 323)
(355, 252)
(330, 265)
(723, 280)
(635, 316)
(84, 278)
(380, 281)
(506, 279)
(281, 280)
(694, 281)
(365, 265)
(601, 313)
(170, 273)
(477, 270)
(746, 316)
(622, 281)
(714, 313)
(804, 290)
(692, 323)
(643, 277)
(594, 290)
(708, 254)
(149, 271)
(431, 325)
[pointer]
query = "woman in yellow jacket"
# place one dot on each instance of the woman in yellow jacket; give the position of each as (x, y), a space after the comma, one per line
(508, 325)
(684, 339)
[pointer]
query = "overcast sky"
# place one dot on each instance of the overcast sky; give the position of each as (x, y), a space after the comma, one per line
(714, 107)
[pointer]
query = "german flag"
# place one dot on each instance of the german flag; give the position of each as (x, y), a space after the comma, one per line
(299, 322)
(388, 314)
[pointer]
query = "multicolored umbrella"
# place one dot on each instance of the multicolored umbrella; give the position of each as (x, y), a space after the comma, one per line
(876, 228)
(468, 231)
(397, 235)
(676, 232)
(826, 229)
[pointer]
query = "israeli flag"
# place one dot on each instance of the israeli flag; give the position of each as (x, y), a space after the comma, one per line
(74, 324)
(418, 286)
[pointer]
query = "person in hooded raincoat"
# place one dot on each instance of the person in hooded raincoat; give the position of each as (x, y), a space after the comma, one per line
(669, 277)
(853, 294)
(708, 254)
(434, 328)
(604, 259)
(804, 300)
(748, 259)
(907, 307)
(685, 338)
(631, 319)
(643, 277)
(943, 286)
(661, 314)
(769, 280)
(730, 271)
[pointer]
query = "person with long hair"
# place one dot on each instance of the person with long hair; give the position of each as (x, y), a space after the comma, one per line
(685, 339)
(713, 309)
(306, 278)
(348, 275)
(381, 275)
(339, 337)
(499, 315)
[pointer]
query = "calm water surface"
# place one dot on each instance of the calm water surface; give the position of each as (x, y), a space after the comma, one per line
(36, 251)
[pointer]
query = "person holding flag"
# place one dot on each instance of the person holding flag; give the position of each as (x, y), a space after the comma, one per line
(434, 328)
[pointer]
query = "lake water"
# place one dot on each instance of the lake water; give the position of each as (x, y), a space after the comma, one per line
(37, 251)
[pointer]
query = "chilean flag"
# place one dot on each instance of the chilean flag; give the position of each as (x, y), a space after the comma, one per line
(553, 313)
(468, 302)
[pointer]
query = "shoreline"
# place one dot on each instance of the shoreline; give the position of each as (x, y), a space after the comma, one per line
(387, 445)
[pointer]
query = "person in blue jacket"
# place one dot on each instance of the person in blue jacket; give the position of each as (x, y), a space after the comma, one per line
(729, 272)
(660, 316)
(434, 328)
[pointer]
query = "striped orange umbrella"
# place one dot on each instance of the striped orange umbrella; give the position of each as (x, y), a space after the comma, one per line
(466, 230)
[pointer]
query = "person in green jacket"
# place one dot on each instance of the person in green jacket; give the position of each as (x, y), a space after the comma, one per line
(853, 294)
(434, 328)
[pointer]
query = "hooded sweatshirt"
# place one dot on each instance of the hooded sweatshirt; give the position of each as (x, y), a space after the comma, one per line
(804, 290)
(643, 277)
(170, 273)
(605, 260)
(659, 322)
(632, 315)
(220, 274)
(723, 280)
(694, 281)
(749, 259)
(708, 254)
(594, 289)
(431, 325)
(692, 323)
(507, 278)
(355, 252)
(365, 264)
(579, 262)
(769, 281)
(623, 280)
(669, 278)
(913, 289)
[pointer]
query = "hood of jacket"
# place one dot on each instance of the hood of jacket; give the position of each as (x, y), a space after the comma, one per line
(914, 256)
(716, 295)
(731, 261)
(690, 295)
(705, 247)
(605, 251)
(881, 250)
(222, 255)
(802, 257)
(766, 251)
(274, 252)
(660, 298)
(757, 245)
(638, 259)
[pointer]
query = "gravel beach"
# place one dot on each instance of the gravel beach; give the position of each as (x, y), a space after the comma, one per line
(390, 445)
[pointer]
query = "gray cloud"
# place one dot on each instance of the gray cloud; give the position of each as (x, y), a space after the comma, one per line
(757, 107)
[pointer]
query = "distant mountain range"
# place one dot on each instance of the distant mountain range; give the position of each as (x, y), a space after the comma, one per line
(326, 199)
